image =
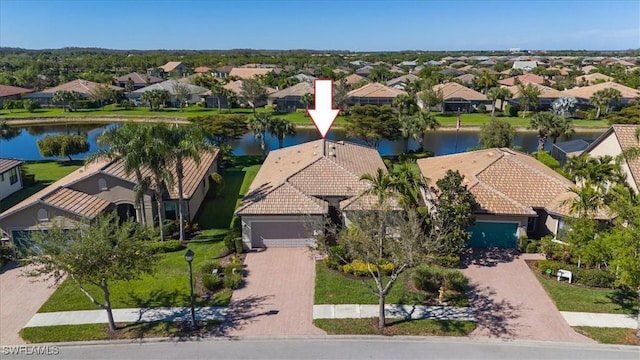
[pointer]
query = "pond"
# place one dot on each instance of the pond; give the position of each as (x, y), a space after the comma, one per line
(440, 142)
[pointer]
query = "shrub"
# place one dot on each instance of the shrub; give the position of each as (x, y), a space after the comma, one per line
(271, 107)
(361, 268)
(232, 269)
(546, 158)
(168, 246)
(87, 104)
(170, 227)
(238, 244)
(551, 249)
(532, 247)
(30, 105)
(544, 265)
(482, 108)
(229, 242)
(301, 111)
(208, 267)
(523, 241)
(5, 255)
(455, 281)
(427, 278)
(233, 281)
(335, 257)
(127, 104)
(510, 110)
(211, 282)
(595, 278)
(448, 261)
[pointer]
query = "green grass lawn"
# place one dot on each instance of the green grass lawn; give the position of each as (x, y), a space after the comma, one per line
(576, 298)
(46, 172)
(87, 332)
(478, 119)
(422, 327)
(619, 336)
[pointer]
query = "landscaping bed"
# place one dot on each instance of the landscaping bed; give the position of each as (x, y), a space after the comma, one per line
(422, 327)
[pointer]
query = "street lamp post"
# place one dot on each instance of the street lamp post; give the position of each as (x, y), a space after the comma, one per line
(189, 257)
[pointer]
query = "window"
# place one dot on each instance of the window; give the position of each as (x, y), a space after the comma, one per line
(532, 224)
(42, 215)
(102, 184)
(562, 229)
(13, 176)
(170, 211)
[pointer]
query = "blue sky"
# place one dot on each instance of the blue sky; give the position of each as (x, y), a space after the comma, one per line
(372, 25)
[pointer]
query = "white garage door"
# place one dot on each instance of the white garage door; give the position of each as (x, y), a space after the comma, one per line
(281, 234)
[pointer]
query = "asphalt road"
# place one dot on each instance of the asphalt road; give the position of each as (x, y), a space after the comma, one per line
(329, 348)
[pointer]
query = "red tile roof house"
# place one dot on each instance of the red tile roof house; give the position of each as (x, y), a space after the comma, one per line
(10, 177)
(517, 194)
(460, 98)
(373, 94)
(288, 100)
(103, 186)
(139, 80)
(11, 93)
(300, 187)
(547, 96)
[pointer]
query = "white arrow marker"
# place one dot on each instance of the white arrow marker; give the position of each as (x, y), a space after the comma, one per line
(324, 114)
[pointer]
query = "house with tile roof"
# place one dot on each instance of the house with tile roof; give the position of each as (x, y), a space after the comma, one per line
(547, 95)
(10, 176)
(524, 79)
(402, 81)
(373, 94)
(458, 97)
(584, 93)
(613, 142)
(517, 194)
(249, 72)
(104, 186)
(354, 79)
(139, 80)
(197, 93)
(590, 79)
(83, 87)
(12, 93)
(299, 188)
(288, 100)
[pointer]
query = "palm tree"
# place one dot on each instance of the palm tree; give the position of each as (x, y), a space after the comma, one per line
(125, 143)
(529, 95)
(598, 100)
(486, 81)
(217, 91)
(185, 142)
(611, 96)
(431, 98)
(408, 180)
(260, 124)
(493, 95)
(306, 100)
(549, 124)
(61, 97)
(381, 184)
(280, 128)
(504, 94)
(405, 104)
(587, 202)
(414, 126)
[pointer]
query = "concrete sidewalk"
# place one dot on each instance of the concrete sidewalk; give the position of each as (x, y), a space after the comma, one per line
(600, 320)
(125, 315)
(351, 311)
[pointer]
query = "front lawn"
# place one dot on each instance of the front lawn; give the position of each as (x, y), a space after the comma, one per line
(478, 119)
(46, 172)
(88, 332)
(619, 336)
(569, 297)
(422, 327)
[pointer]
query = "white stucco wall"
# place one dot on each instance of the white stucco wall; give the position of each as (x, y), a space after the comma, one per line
(6, 188)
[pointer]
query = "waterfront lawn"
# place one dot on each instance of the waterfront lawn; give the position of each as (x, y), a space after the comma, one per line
(569, 297)
(46, 172)
(88, 332)
(618, 336)
(478, 119)
(421, 327)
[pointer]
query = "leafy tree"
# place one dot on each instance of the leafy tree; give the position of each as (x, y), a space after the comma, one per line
(496, 133)
(380, 74)
(381, 237)
(182, 93)
(101, 94)
(627, 115)
(222, 129)
(30, 105)
(372, 124)
(564, 106)
(452, 213)
(280, 128)
(340, 90)
(66, 98)
(253, 92)
(63, 145)
(431, 98)
(218, 91)
(185, 142)
(7, 132)
(95, 255)
(129, 86)
(414, 126)
(260, 124)
(307, 100)
(126, 143)
(549, 124)
(529, 97)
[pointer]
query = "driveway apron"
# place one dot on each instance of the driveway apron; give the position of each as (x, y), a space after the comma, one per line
(277, 298)
(509, 302)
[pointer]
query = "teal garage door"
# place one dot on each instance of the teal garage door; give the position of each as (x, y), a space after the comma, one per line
(494, 234)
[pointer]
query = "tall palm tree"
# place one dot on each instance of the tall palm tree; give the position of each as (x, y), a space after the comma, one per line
(611, 96)
(598, 100)
(529, 96)
(408, 181)
(260, 124)
(280, 128)
(185, 142)
(405, 104)
(493, 95)
(125, 143)
(549, 124)
(504, 94)
(486, 81)
(414, 126)
(587, 202)
(381, 184)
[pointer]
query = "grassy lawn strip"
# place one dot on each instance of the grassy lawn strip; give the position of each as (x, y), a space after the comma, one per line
(87, 332)
(422, 327)
(46, 172)
(619, 336)
(575, 298)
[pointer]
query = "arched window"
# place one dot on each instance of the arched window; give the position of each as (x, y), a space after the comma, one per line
(102, 184)
(42, 215)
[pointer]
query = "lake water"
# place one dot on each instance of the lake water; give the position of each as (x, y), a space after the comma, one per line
(440, 142)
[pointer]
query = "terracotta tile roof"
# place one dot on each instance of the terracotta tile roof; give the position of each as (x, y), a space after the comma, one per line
(587, 69)
(295, 90)
(202, 69)
(236, 87)
(489, 71)
(545, 91)
(403, 79)
(284, 199)
(249, 73)
(453, 90)
(375, 90)
(466, 78)
(586, 92)
(526, 78)
(626, 135)
(170, 66)
(354, 79)
(590, 78)
(6, 90)
(8, 164)
(76, 202)
(139, 79)
(316, 168)
(504, 181)
(79, 85)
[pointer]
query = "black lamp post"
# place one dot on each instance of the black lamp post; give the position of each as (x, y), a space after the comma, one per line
(189, 257)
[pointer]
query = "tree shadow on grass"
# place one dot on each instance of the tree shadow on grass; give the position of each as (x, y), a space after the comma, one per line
(492, 317)
(487, 256)
(626, 298)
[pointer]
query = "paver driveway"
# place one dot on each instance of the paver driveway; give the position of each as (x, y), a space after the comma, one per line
(20, 299)
(277, 298)
(509, 302)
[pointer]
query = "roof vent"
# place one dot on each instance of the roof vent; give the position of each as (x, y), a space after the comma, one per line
(341, 142)
(332, 153)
